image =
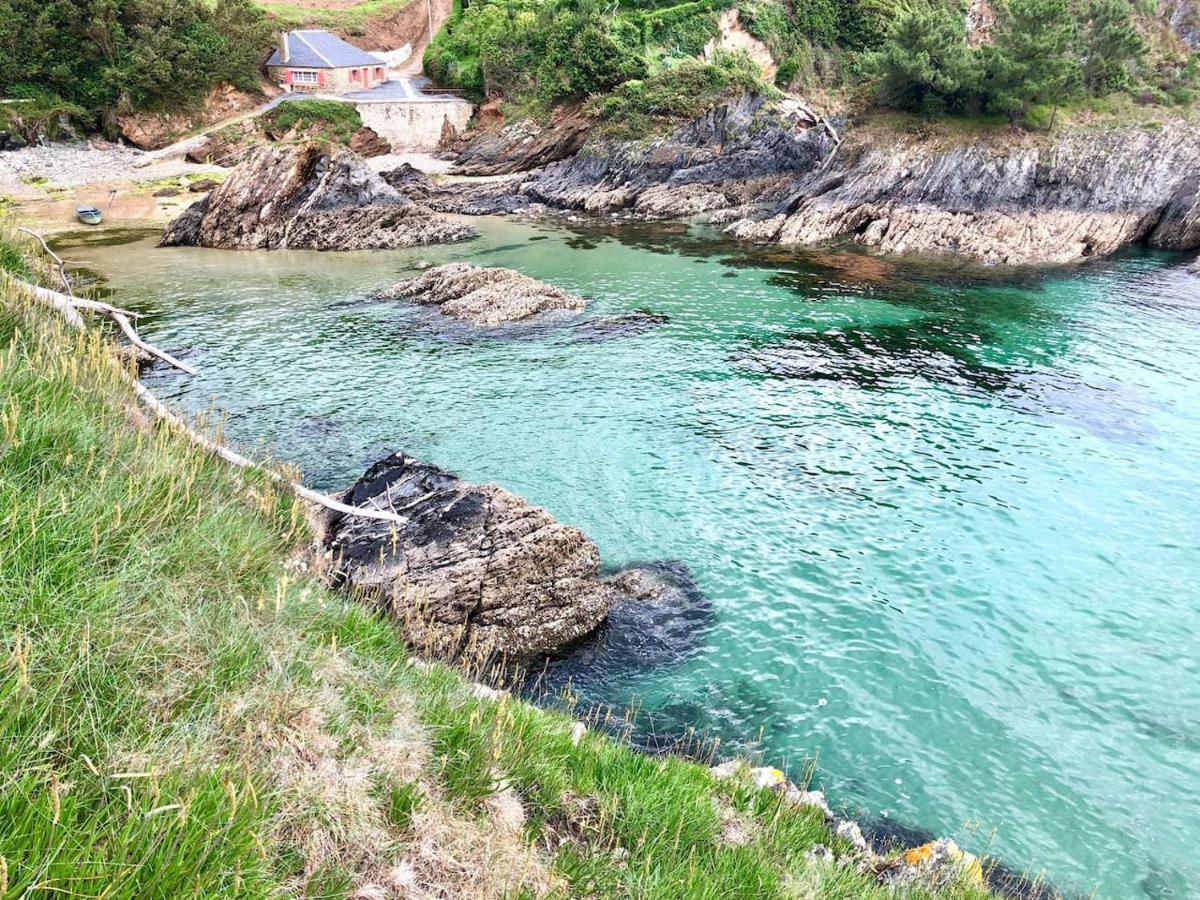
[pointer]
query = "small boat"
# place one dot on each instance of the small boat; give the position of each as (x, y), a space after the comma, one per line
(89, 215)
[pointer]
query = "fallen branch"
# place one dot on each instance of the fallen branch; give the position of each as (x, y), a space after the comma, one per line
(123, 322)
(63, 303)
(58, 260)
(68, 307)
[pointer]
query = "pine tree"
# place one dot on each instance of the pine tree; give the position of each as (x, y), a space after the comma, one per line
(924, 64)
(1111, 46)
(1033, 57)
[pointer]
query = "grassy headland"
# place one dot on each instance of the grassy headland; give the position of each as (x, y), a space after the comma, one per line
(185, 710)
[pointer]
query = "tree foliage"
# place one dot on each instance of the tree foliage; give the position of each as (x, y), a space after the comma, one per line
(924, 64)
(1033, 58)
(111, 56)
(1111, 46)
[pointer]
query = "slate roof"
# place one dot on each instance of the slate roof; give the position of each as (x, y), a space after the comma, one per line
(321, 50)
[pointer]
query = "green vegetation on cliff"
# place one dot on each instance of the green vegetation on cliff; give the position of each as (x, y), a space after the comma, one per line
(185, 711)
(913, 55)
(107, 57)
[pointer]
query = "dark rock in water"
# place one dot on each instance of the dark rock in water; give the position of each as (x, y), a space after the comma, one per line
(661, 617)
(308, 197)
(482, 296)
(475, 571)
(621, 325)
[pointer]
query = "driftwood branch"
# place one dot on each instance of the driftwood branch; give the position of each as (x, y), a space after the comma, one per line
(123, 322)
(58, 260)
(66, 306)
(63, 302)
(163, 412)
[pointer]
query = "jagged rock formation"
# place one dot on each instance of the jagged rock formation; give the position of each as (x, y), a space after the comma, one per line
(368, 142)
(482, 296)
(1184, 18)
(1079, 194)
(744, 151)
(462, 198)
(476, 570)
(522, 146)
(309, 197)
(774, 174)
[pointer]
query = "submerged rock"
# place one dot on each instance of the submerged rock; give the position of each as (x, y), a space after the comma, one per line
(310, 197)
(475, 571)
(480, 295)
(627, 324)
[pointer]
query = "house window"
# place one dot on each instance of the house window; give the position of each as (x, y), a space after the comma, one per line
(354, 75)
(379, 71)
(300, 77)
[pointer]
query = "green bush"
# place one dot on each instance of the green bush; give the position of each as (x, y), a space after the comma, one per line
(126, 55)
(687, 89)
(335, 120)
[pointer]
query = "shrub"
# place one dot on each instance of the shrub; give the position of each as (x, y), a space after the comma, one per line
(332, 119)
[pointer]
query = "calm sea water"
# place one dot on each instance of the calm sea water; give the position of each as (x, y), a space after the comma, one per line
(947, 525)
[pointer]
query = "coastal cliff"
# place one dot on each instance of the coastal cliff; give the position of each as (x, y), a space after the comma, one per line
(768, 173)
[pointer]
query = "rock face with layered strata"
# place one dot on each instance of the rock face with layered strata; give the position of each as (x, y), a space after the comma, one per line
(314, 197)
(1009, 201)
(475, 571)
(483, 296)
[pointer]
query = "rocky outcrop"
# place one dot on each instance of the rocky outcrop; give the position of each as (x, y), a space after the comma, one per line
(486, 198)
(310, 197)
(523, 145)
(368, 142)
(1184, 18)
(475, 570)
(745, 151)
(1077, 195)
(481, 295)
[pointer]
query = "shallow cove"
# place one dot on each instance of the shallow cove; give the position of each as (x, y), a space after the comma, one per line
(946, 522)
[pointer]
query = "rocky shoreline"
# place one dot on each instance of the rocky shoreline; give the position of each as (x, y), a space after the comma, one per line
(769, 173)
(476, 572)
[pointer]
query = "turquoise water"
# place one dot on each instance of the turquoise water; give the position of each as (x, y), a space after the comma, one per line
(948, 525)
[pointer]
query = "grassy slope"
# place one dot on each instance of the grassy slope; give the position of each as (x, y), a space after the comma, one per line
(180, 715)
(350, 19)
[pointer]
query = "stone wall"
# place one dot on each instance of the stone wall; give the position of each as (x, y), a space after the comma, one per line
(414, 124)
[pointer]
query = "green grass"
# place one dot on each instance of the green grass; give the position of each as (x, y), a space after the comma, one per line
(182, 715)
(352, 20)
(330, 120)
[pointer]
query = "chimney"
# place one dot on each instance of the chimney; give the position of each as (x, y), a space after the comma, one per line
(284, 53)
